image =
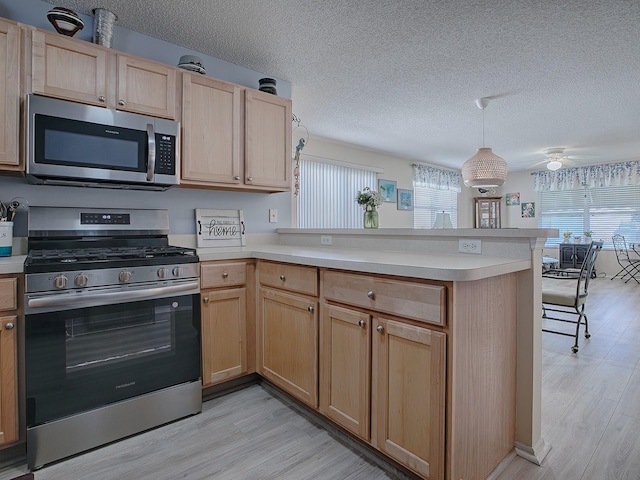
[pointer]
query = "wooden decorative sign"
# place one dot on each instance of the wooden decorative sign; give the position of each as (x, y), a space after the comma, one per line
(220, 228)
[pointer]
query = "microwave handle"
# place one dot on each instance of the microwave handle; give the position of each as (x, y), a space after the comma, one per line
(151, 160)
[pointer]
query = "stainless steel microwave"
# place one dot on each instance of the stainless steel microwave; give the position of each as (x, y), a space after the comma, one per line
(73, 144)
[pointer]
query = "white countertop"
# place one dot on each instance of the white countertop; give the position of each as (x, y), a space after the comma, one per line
(12, 264)
(458, 267)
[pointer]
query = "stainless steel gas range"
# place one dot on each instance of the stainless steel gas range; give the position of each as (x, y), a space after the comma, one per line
(112, 328)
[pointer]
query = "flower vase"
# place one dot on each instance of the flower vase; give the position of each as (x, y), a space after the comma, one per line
(371, 218)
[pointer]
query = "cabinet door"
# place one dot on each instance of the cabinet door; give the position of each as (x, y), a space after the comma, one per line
(580, 254)
(408, 396)
(566, 256)
(8, 380)
(68, 69)
(9, 93)
(345, 352)
(211, 131)
(267, 140)
(224, 335)
(146, 87)
(288, 343)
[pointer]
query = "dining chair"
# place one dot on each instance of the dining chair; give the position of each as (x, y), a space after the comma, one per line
(568, 296)
(630, 267)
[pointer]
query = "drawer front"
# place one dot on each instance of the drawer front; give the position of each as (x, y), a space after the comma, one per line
(290, 277)
(223, 274)
(416, 301)
(8, 294)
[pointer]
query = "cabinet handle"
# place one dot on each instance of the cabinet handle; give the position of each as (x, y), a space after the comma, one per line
(249, 179)
(225, 275)
(101, 98)
(371, 295)
(361, 323)
(380, 328)
(237, 177)
(205, 299)
(121, 102)
(9, 326)
(310, 308)
(282, 277)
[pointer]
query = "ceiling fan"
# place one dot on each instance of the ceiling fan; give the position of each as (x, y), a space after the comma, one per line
(555, 158)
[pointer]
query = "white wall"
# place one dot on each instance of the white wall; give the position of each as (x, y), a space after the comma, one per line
(395, 168)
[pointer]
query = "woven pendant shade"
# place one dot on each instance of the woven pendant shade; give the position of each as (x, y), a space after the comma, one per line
(484, 169)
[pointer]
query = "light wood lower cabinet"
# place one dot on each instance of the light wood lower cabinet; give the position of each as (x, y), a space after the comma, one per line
(224, 322)
(8, 361)
(288, 343)
(403, 366)
(287, 329)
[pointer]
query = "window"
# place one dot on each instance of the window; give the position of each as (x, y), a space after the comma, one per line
(328, 192)
(605, 211)
(429, 201)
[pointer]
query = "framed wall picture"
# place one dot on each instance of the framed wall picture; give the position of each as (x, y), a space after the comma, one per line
(513, 199)
(387, 189)
(528, 209)
(405, 199)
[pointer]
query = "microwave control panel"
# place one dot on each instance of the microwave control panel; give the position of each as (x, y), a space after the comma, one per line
(165, 154)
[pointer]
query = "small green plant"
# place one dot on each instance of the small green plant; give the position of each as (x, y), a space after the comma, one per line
(588, 233)
(567, 235)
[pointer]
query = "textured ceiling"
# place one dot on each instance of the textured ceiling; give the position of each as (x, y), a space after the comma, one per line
(401, 76)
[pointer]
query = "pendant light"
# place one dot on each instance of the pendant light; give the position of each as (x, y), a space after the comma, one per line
(485, 168)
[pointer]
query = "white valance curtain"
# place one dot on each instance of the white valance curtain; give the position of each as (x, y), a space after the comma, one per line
(436, 178)
(607, 175)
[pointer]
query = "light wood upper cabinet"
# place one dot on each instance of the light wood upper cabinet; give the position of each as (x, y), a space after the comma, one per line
(70, 69)
(408, 396)
(9, 93)
(267, 140)
(146, 87)
(211, 131)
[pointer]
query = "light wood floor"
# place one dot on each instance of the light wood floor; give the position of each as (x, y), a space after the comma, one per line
(591, 418)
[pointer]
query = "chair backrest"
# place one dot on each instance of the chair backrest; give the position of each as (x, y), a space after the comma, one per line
(620, 246)
(586, 270)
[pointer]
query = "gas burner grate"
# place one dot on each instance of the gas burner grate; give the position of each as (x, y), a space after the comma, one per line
(108, 253)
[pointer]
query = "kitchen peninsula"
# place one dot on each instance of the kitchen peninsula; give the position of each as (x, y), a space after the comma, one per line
(472, 321)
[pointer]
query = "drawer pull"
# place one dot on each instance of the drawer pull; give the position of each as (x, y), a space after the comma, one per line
(282, 277)
(380, 328)
(361, 323)
(9, 326)
(205, 299)
(225, 275)
(101, 98)
(121, 102)
(310, 308)
(371, 295)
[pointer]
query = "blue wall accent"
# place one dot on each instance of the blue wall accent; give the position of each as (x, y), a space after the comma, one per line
(181, 202)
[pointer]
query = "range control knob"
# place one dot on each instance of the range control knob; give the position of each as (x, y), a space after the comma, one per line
(81, 280)
(163, 272)
(178, 271)
(60, 281)
(125, 276)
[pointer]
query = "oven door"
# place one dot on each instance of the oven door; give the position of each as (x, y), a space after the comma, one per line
(84, 358)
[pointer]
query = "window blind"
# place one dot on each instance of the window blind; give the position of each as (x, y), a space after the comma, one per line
(429, 201)
(603, 210)
(328, 193)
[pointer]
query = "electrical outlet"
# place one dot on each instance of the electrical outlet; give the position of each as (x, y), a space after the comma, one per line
(325, 240)
(273, 215)
(470, 245)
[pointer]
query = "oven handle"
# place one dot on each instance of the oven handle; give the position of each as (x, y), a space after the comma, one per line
(104, 298)
(151, 160)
